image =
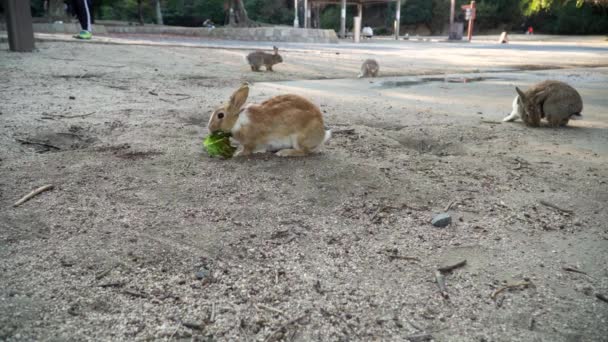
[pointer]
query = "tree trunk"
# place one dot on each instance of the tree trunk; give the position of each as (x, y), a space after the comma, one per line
(140, 12)
(159, 13)
(237, 14)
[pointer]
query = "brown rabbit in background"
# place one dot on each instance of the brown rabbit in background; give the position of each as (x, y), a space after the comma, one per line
(258, 58)
(289, 125)
(555, 101)
(369, 68)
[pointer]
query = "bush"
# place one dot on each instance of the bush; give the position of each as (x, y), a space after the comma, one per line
(269, 11)
(330, 17)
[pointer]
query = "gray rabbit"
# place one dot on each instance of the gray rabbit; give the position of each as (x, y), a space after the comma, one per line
(369, 68)
(258, 58)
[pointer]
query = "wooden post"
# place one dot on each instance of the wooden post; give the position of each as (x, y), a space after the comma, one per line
(398, 20)
(343, 20)
(19, 25)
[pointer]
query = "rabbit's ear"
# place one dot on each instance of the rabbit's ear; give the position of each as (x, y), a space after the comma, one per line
(238, 98)
(522, 97)
(276, 50)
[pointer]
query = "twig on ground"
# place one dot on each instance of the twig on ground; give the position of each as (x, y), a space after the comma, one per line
(572, 269)
(117, 87)
(498, 291)
(601, 297)
(193, 326)
(490, 122)
(212, 318)
(153, 93)
(165, 100)
(441, 284)
(113, 284)
(75, 116)
(135, 293)
(174, 332)
(104, 273)
(269, 308)
(33, 193)
(551, 205)
(449, 268)
(450, 205)
(29, 142)
(531, 323)
(419, 337)
(284, 326)
(401, 257)
(276, 276)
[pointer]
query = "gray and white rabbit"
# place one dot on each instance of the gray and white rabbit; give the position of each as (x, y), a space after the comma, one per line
(369, 68)
(555, 101)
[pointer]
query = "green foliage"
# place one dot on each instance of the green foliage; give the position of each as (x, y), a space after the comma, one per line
(269, 11)
(417, 12)
(572, 18)
(548, 16)
(218, 145)
(123, 10)
(192, 12)
(330, 17)
(492, 13)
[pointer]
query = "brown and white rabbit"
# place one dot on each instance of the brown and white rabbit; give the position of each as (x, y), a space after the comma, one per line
(258, 58)
(288, 124)
(555, 101)
(369, 68)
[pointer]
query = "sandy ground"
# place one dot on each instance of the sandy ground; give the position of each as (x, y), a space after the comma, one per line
(144, 237)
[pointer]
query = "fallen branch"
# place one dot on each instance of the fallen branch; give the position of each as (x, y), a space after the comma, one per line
(419, 337)
(284, 326)
(449, 268)
(551, 205)
(498, 291)
(104, 273)
(29, 142)
(491, 122)
(114, 284)
(269, 308)
(135, 294)
(32, 194)
(572, 269)
(75, 116)
(450, 205)
(401, 257)
(441, 284)
(193, 326)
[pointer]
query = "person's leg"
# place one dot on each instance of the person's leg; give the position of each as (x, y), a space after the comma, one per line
(84, 17)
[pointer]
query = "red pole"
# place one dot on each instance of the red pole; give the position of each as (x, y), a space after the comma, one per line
(471, 19)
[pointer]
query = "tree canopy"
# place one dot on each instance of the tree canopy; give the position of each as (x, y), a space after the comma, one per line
(550, 16)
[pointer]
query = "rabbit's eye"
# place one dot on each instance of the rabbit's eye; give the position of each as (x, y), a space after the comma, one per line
(220, 115)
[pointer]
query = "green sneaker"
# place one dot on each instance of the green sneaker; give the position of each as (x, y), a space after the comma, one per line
(83, 35)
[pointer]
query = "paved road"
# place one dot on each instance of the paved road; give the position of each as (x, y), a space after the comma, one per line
(380, 44)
